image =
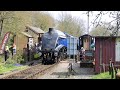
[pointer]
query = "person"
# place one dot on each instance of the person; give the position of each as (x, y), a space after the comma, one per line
(83, 50)
(94, 64)
(92, 46)
(14, 49)
(82, 55)
(6, 52)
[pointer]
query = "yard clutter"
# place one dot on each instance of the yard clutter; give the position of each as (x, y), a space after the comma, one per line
(118, 75)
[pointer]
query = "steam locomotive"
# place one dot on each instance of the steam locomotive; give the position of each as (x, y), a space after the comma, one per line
(54, 46)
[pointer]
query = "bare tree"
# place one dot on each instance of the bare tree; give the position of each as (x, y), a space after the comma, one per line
(70, 25)
(4, 15)
(100, 31)
(113, 25)
(43, 20)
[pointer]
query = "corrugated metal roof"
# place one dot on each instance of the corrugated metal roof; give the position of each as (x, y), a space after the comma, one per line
(26, 34)
(86, 35)
(60, 33)
(35, 29)
(68, 35)
(106, 36)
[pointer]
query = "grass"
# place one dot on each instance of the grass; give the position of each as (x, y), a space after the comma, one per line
(9, 65)
(102, 76)
(4, 68)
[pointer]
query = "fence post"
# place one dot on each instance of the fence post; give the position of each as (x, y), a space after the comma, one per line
(28, 53)
(112, 71)
(110, 68)
(116, 70)
(103, 67)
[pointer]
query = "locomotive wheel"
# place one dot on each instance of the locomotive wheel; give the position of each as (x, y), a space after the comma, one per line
(59, 59)
(54, 61)
(43, 63)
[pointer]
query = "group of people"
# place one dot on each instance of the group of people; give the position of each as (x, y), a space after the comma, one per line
(7, 51)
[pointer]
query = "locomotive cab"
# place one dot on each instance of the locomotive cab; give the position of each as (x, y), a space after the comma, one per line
(86, 44)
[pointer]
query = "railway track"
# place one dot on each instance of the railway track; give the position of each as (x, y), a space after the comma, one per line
(30, 73)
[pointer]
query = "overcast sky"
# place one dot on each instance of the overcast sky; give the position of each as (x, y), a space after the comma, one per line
(82, 15)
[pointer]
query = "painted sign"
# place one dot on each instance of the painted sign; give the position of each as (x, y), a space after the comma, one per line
(30, 42)
(4, 41)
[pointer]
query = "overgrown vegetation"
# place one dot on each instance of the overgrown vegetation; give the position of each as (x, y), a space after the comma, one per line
(36, 56)
(11, 64)
(1, 58)
(5, 67)
(18, 57)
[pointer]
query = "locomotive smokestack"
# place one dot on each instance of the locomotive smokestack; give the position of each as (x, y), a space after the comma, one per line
(50, 29)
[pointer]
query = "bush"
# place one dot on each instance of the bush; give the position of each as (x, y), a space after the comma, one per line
(1, 58)
(18, 58)
(36, 56)
(10, 61)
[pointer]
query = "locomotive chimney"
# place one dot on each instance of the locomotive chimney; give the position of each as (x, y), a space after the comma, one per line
(50, 29)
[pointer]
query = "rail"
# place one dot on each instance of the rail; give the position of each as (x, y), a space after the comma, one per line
(30, 73)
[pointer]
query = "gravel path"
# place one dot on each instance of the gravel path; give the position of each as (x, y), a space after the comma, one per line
(61, 72)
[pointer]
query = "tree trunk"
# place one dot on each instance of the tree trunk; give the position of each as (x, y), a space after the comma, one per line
(1, 27)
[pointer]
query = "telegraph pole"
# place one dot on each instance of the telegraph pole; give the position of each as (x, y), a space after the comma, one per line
(117, 23)
(88, 22)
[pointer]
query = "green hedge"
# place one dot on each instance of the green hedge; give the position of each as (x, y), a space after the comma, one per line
(36, 56)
